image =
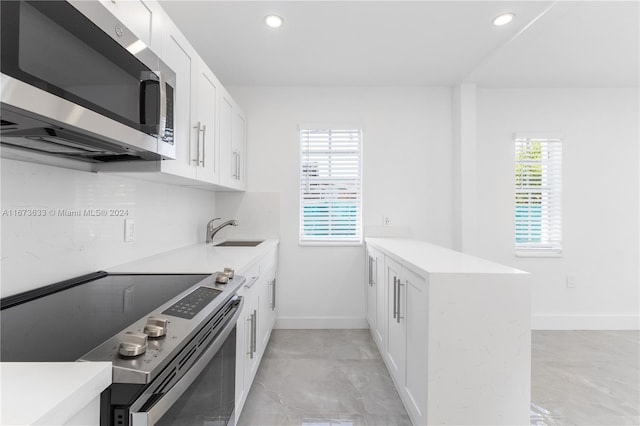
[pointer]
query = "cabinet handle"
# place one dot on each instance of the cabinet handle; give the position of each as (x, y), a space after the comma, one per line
(250, 320)
(252, 282)
(235, 165)
(236, 175)
(197, 159)
(204, 130)
(395, 296)
(374, 270)
(273, 294)
(399, 299)
(369, 270)
(254, 333)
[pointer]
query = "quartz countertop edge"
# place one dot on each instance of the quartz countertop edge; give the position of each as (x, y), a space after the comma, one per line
(49, 392)
(427, 258)
(202, 258)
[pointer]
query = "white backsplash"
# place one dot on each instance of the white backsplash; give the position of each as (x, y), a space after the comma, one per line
(257, 213)
(40, 250)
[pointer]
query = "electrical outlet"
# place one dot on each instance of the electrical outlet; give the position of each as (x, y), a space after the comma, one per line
(129, 231)
(571, 281)
(386, 220)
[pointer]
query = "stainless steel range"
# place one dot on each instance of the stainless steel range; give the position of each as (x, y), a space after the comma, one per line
(171, 340)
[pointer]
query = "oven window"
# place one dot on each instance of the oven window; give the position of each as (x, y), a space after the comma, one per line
(210, 400)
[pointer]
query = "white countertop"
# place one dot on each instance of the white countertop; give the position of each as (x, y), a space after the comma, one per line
(49, 393)
(197, 259)
(432, 259)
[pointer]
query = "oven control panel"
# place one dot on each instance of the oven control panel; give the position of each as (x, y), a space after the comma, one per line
(191, 304)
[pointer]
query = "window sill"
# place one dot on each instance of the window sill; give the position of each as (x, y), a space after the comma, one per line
(538, 253)
(330, 244)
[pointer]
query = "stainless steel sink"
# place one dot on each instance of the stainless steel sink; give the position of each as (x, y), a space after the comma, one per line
(238, 243)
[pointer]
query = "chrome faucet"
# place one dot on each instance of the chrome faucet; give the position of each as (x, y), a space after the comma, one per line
(212, 231)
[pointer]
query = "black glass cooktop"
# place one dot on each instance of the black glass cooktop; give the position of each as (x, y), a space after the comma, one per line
(67, 324)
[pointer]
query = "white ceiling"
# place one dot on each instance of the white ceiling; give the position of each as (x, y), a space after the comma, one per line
(549, 44)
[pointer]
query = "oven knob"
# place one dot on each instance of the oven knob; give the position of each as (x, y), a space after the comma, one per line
(156, 327)
(230, 272)
(133, 344)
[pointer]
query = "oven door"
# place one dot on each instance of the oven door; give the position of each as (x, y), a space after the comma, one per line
(205, 395)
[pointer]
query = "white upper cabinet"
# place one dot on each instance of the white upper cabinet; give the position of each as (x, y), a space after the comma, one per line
(195, 109)
(181, 58)
(209, 126)
(205, 127)
(233, 142)
(239, 148)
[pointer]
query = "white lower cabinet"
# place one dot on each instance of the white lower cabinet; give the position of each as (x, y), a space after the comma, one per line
(255, 323)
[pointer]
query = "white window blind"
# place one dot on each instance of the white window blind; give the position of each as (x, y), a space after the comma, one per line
(330, 186)
(538, 195)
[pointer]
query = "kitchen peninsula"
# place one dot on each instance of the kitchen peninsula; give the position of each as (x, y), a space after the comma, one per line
(454, 331)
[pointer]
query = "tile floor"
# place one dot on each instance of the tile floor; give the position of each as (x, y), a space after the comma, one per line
(585, 378)
(337, 378)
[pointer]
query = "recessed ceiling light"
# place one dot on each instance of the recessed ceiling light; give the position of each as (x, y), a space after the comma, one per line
(503, 19)
(274, 21)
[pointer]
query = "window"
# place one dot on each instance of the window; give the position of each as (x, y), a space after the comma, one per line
(330, 186)
(538, 202)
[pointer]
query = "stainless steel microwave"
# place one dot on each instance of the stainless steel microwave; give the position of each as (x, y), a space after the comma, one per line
(77, 83)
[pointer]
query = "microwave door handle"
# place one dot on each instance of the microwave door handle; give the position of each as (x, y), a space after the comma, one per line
(162, 125)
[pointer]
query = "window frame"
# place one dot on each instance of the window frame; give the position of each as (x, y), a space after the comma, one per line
(331, 241)
(550, 196)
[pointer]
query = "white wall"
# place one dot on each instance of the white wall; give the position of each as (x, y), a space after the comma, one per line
(600, 200)
(42, 250)
(406, 175)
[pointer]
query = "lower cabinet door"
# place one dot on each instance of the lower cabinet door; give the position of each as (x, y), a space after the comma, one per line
(371, 286)
(241, 349)
(416, 313)
(246, 356)
(381, 308)
(395, 320)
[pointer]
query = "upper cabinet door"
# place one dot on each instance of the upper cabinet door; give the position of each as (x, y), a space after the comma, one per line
(207, 87)
(239, 148)
(227, 160)
(179, 56)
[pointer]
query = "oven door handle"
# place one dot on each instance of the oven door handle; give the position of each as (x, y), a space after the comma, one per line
(151, 417)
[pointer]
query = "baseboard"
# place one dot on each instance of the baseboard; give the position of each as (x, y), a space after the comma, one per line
(539, 322)
(585, 322)
(319, 323)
